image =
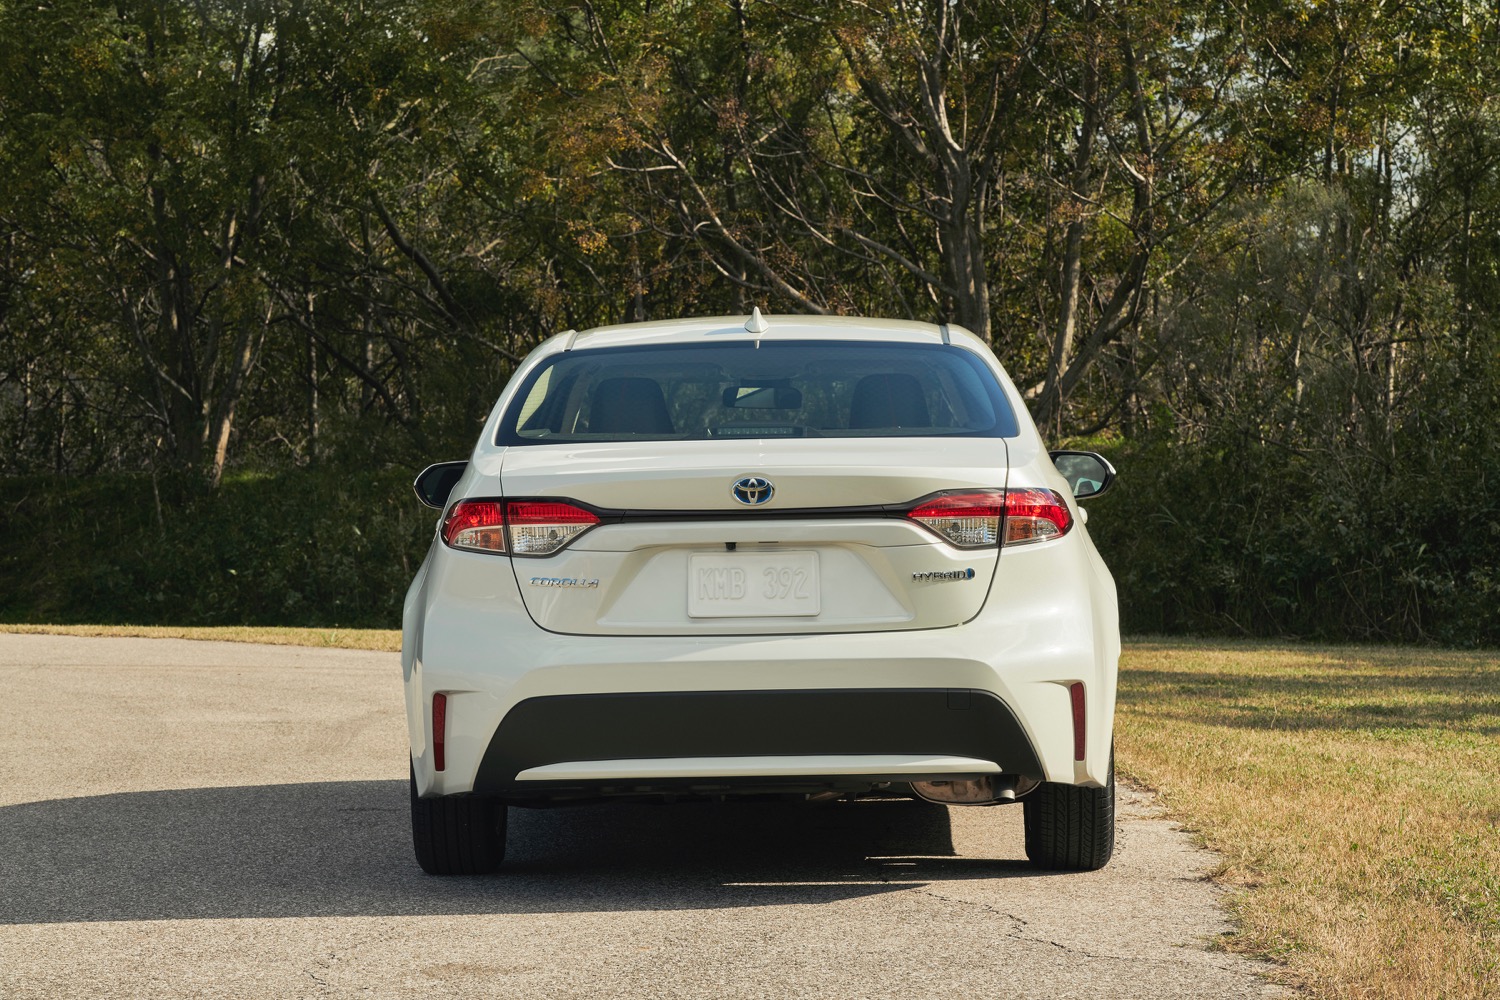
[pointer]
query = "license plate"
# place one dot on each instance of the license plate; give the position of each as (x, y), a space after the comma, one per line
(752, 584)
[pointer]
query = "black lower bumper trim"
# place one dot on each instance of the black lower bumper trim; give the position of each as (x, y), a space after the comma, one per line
(956, 722)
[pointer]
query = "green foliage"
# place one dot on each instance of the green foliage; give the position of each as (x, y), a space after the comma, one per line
(1241, 536)
(211, 212)
(1255, 248)
(324, 548)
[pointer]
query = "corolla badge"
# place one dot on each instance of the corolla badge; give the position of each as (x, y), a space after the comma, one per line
(565, 582)
(752, 490)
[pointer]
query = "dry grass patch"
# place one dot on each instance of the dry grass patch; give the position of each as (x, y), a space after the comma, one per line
(1354, 793)
(384, 640)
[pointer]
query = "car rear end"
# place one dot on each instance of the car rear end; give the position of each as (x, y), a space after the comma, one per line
(830, 558)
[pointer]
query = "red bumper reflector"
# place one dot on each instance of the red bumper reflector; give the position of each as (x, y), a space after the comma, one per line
(1076, 691)
(439, 729)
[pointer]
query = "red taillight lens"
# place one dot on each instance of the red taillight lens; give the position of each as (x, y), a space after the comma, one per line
(1035, 515)
(521, 527)
(968, 520)
(439, 730)
(475, 524)
(988, 517)
(541, 527)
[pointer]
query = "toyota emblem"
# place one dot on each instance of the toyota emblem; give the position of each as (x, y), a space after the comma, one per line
(752, 490)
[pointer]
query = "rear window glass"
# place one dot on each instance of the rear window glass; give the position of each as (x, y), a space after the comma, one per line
(738, 390)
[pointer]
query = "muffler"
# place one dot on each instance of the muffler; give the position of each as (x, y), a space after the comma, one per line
(990, 790)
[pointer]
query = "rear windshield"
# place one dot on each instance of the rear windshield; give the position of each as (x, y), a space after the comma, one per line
(738, 390)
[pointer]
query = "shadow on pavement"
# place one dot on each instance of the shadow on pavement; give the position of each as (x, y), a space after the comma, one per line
(343, 848)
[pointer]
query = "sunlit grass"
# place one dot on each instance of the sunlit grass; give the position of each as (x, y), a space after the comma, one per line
(1354, 794)
(386, 640)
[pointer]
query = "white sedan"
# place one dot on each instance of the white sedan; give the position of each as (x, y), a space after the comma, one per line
(793, 556)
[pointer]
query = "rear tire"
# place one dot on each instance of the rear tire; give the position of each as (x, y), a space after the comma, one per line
(1071, 828)
(457, 835)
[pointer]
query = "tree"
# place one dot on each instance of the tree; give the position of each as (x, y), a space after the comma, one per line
(198, 188)
(926, 159)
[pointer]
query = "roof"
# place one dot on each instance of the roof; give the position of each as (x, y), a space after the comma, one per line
(779, 327)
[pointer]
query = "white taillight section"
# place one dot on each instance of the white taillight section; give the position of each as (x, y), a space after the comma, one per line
(476, 524)
(1035, 515)
(968, 520)
(541, 527)
(520, 527)
(983, 518)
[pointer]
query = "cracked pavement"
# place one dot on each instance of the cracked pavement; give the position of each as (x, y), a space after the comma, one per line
(200, 819)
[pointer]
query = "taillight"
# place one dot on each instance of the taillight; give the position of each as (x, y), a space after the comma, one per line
(982, 518)
(1035, 515)
(968, 520)
(520, 527)
(476, 524)
(541, 527)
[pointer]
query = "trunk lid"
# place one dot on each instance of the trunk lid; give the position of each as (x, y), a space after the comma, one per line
(829, 551)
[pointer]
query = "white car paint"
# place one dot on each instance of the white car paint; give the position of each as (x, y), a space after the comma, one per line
(1032, 620)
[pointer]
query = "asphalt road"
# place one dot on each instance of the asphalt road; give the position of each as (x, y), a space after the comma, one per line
(198, 819)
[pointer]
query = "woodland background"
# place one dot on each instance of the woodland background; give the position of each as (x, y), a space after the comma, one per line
(261, 261)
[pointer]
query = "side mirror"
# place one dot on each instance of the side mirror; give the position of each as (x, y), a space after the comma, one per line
(437, 481)
(1087, 473)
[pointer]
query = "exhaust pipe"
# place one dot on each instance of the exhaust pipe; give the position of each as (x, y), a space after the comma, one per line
(989, 790)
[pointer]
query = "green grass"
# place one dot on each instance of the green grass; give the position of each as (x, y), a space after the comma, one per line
(1354, 793)
(387, 640)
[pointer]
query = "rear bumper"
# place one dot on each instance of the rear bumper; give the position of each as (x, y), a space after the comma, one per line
(468, 635)
(735, 739)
